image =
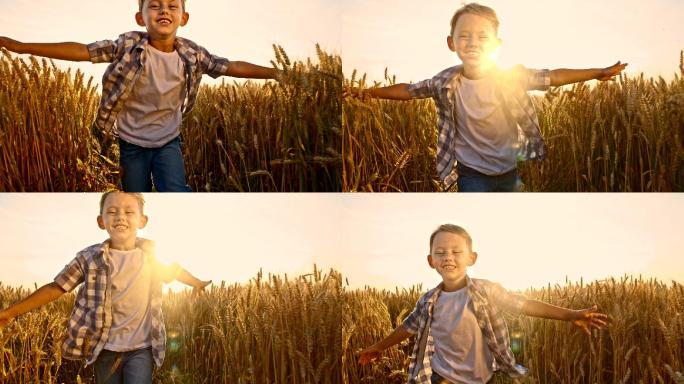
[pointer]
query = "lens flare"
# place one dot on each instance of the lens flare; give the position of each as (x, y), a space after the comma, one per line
(173, 337)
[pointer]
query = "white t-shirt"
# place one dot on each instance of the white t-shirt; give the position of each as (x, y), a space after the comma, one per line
(151, 116)
(485, 140)
(131, 278)
(461, 353)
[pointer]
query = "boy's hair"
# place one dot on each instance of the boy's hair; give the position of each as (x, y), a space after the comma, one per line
(476, 9)
(141, 2)
(451, 228)
(138, 196)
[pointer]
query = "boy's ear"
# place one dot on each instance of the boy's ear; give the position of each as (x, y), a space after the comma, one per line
(139, 19)
(143, 222)
(100, 222)
(450, 43)
(429, 260)
(184, 19)
(473, 258)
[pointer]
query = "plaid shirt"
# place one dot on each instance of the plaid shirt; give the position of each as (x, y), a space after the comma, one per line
(517, 107)
(91, 319)
(127, 56)
(487, 298)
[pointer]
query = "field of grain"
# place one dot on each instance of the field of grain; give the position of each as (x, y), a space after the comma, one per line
(625, 136)
(273, 329)
(643, 344)
(265, 136)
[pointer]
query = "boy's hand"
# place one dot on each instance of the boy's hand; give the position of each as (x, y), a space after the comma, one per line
(609, 72)
(200, 287)
(6, 42)
(355, 93)
(369, 354)
(589, 318)
(5, 318)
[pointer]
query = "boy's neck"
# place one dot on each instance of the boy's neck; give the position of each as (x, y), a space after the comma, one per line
(476, 72)
(122, 245)
(453, 285)
(164, 45)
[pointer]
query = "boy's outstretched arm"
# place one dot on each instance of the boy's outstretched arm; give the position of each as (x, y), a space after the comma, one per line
(564, 76)
(188, 279)
(586, 319)
(373, 352)
(44, 295)
(250, 71)
(59, 51)
(392, 92)
(176, 272)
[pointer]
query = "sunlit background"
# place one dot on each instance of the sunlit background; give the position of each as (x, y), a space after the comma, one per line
(219, 237)
(375, 240)
(237, 30)
(409, 38)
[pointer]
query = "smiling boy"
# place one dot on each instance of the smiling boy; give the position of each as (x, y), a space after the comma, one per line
(117, 321)
(486, 120)
(461, 333)
(147, 90)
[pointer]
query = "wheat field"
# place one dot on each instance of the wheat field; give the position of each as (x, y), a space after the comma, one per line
(622, 136)
(272, 136)
(273, 329)
(644, 343)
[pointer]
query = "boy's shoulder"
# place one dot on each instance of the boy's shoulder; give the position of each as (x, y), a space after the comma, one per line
(90, 254)
(188, 43)
(447, 75)
(133, 36)
(91, 250)
(138, 36)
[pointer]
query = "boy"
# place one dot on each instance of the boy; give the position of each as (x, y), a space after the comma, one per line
(149, 87)
(486, 120)
(462, 335)
(116, 322)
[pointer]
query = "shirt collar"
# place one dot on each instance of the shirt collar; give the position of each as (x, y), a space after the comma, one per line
(453, 81)
(147, 246)
(185, 51)
(440, 288)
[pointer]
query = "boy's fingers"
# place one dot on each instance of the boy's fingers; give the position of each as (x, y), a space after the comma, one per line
(598, 322)
(585, 330)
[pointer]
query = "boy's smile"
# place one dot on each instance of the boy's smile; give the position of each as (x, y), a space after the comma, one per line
(121, 217)
(162, 18)
(474, 40)
(451, 256)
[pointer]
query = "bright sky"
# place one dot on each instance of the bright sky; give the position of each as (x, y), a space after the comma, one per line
(410, 39)
(379, 240)
(214, 236)
(522, 240)
(238, 30)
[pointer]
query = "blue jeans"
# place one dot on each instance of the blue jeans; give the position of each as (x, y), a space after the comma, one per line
(141, 166)
(470, 180)
(437, 379)
(132, 367)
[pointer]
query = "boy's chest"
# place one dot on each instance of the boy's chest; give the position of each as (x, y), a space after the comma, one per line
(161, 81)
(453, 314)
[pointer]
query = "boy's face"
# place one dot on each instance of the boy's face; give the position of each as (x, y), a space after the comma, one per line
(121, 217)
(451, 256)
(474, 40)
(162, 18)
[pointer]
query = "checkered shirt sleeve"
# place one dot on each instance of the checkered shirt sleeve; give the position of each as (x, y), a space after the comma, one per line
(412, 322)
(422, 89)
(72, 275)
(505, 300)
(212, 65)
(105, 51)
(538, 79)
